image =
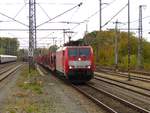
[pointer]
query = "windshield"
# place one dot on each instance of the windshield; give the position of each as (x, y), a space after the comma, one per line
(79, 52)
(84, 52)
(73, 52)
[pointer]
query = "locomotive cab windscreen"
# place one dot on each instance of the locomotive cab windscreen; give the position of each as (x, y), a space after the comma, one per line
(72, 52)
(84, 52)
(79, 52)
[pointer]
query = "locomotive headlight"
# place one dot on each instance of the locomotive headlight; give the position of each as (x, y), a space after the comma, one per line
(79, 59)
(71, 67)
(89, 67)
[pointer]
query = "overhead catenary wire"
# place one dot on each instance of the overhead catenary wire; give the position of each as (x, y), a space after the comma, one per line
(19, 11)
(13, 19)
(74, 13)
(27, 3)
(59, 15)
(71, 11)
(44, 11)
(10, 3)
(55, 3)
(136, 20)
(99, 10)
(115, 15)
(92, 15)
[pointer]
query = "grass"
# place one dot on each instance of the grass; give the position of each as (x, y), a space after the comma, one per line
(31, 81)
(32, 109)
(27, 108)
(33, 87)
(29, 88)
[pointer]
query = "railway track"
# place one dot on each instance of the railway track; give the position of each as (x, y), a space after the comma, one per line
(125, 75)
(6, 64)
(6, 68)
(8, 71)
(131, 87)
(111, 103)
(104, 99)
(146, 73)
(141, 72)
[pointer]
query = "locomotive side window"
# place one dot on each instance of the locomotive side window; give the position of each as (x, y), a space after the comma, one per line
(84, 52)
(73, 52)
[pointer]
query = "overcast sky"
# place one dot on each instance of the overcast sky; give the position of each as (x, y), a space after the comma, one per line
(48, 9)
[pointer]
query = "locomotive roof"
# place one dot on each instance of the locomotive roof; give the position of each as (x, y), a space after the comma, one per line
(64, 47)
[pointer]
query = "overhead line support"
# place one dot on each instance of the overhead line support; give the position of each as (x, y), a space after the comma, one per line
(129, 48)
(140, 37)
(32, 33)
(100, 15)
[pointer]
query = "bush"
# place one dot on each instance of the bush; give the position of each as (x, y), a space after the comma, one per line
(124, 61)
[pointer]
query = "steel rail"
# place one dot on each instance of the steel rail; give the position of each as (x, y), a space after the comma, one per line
(122, 82)
(145, 94)
(87, 95)
(122, 70)
(144, 79)
(121, 100)
(110, 110)
(6, 64)
(141, 72)
(5, 75)
(5, 68)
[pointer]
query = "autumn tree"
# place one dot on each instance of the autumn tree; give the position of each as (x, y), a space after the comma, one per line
(9, 46)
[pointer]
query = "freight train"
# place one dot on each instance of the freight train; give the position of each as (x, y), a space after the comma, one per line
(76, 63)
(7, 58)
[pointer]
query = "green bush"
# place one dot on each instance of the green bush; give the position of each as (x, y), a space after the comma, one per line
(124, 61)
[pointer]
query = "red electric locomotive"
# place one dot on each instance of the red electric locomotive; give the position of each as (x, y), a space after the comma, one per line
(75, 62)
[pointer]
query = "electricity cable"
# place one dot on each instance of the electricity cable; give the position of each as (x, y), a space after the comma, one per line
(115, 15)
(20, 11)
(14, 19)
(93, 14)
(59, 15)
(44, 11)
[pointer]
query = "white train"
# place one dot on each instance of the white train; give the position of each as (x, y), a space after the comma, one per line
(7, 58)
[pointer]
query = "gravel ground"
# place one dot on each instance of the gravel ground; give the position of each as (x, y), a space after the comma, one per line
(66, 99)
(56, 97)
(5, 88)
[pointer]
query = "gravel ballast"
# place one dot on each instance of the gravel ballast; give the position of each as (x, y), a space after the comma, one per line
(55, 97)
